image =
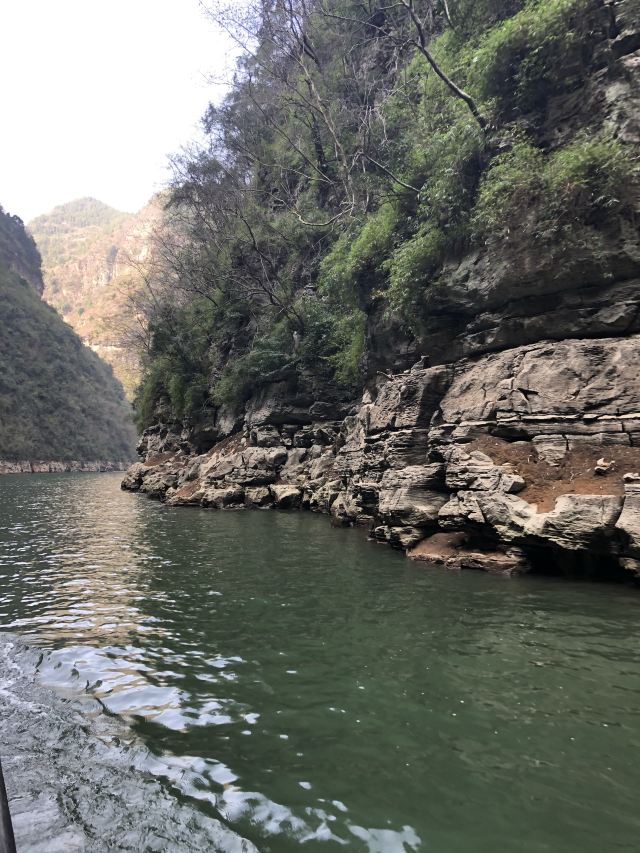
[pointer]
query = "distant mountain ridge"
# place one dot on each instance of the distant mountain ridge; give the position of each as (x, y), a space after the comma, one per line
(58, 401)
(89, 251)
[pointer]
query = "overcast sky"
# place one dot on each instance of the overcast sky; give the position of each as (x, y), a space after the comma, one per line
(96, 94)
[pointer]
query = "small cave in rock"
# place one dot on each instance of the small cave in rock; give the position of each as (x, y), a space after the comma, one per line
(579, 565)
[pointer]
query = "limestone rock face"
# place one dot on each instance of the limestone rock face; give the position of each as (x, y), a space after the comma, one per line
(258, 497)
(405, 463)
(223, 498)
(134, 477)
(57, 467)
(548, 390)
(628, 523)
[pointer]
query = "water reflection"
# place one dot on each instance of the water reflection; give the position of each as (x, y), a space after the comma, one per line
(71, 569)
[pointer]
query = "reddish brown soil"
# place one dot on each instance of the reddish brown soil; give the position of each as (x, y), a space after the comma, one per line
(227, 445)
(187, 490)
(158, 459)
(574, 476)
(438, 547)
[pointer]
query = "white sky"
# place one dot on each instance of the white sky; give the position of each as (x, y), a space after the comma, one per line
(96, 93)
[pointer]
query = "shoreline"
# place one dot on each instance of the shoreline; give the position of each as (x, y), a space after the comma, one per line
(441, 550)
(60, 467)
(513, 492)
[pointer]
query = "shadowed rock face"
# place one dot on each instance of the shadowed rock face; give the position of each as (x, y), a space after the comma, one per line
(536, 349)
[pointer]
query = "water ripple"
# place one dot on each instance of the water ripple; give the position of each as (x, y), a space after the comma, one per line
(306, 687)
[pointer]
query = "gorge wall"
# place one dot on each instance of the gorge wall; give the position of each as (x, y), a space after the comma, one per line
(60, 407)
(89, 256)
(503, 431)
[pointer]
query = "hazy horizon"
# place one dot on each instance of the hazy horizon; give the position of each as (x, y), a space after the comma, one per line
(99, 100)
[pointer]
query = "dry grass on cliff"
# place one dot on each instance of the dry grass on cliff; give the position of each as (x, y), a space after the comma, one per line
(573, 476)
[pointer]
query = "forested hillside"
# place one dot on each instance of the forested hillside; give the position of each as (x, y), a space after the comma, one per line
(367, 162)
(90, 253)
(58, 400)
(19, 252)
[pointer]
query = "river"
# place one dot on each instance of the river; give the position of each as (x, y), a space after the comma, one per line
(182, 679)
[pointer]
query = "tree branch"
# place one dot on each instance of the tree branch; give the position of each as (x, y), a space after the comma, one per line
(391, 175)
(421, 44)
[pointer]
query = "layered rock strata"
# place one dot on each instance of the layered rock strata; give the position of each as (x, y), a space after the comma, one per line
(408, 460)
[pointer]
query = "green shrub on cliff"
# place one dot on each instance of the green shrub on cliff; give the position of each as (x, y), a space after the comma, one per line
(541, 50)
(592, 178)
(509, 190)
(471, 17)
(333, 340)
(354, 267)
(329, 346)
(348, 176)
(550, 196)
(411, 268)
(270, 352)
(178, 363)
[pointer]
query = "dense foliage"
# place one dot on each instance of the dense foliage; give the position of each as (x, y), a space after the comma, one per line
(359, 148)
(58, 401)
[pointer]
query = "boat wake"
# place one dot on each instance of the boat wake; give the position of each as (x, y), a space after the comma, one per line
(79, 780)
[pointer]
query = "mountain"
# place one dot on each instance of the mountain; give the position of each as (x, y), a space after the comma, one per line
(58, 400)
(89, 251)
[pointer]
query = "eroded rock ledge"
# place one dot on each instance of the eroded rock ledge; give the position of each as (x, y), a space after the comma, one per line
(527, 459)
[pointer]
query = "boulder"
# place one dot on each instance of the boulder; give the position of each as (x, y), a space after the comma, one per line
(578, 522)
(223, 498)
(259, 496)
(628, 524)
(134, 477)
(286, 496)
(265, 436)
(157, 482)
(403, 538)
(410, 506)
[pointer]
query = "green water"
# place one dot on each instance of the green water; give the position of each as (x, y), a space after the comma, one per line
(312, 689)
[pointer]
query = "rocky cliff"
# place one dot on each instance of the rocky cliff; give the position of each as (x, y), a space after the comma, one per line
(503, 432)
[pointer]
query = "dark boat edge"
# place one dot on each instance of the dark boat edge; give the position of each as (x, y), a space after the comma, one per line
(7, 840)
